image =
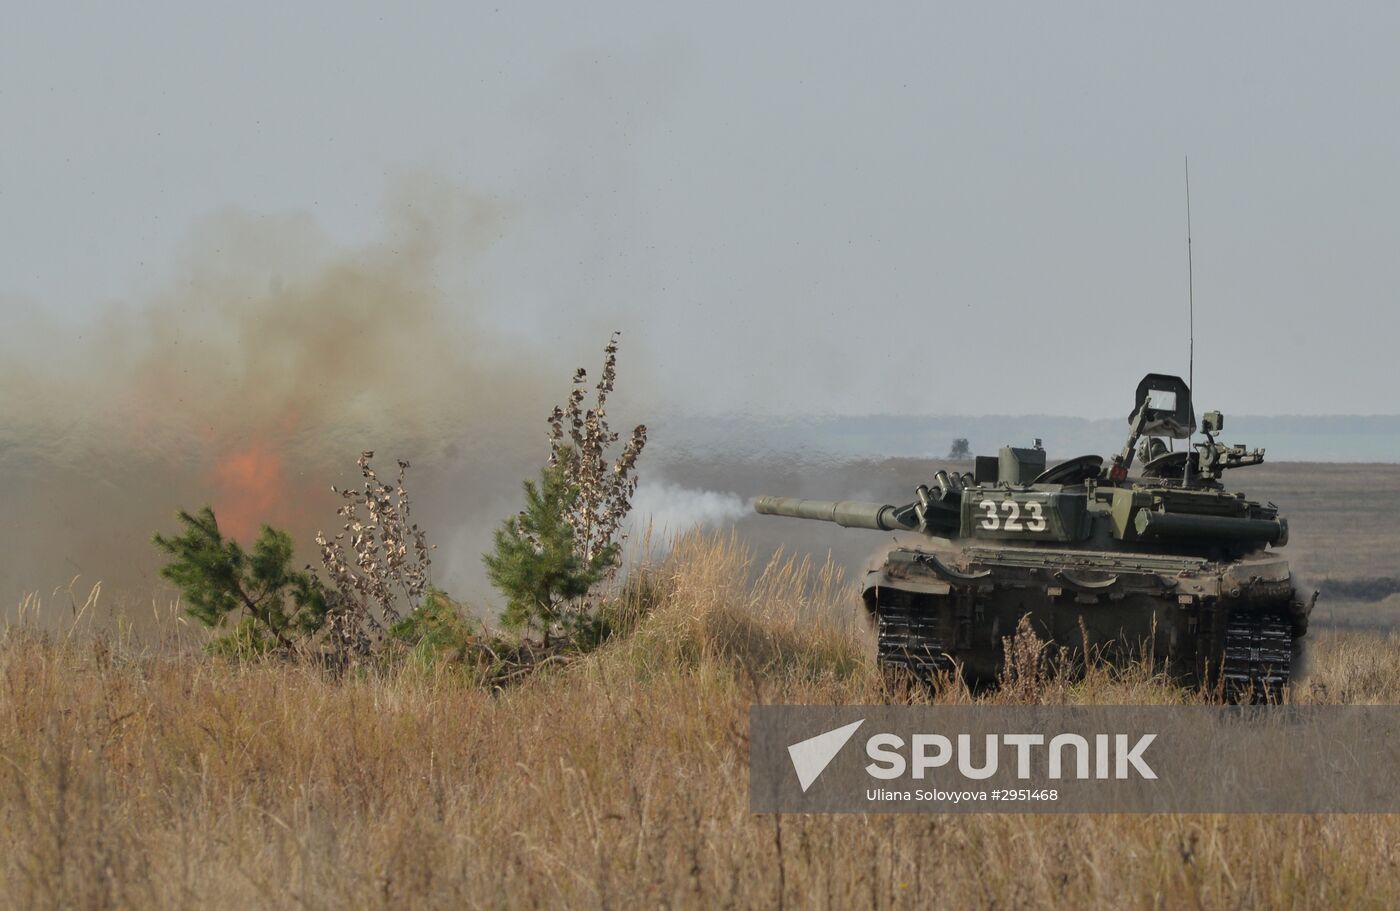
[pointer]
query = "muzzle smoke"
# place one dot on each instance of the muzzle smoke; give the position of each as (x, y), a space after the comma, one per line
(670, 509)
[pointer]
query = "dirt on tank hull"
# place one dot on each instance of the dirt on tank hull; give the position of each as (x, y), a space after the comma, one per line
(1233, 625)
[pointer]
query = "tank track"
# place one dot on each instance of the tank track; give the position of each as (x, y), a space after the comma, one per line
(910, 641)
(1258, 657)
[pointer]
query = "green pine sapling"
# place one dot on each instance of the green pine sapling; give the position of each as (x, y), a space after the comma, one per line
(549, 559)
(537, 564)
(220, 582)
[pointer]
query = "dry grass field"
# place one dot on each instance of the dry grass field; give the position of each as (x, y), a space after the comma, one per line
(137, 772)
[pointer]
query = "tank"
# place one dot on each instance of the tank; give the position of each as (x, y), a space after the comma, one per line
(1101, 556)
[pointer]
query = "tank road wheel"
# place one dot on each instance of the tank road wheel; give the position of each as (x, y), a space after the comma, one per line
(1258, 657)
(910, 645)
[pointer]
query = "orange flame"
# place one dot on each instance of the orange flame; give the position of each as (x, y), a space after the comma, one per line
(249, 489)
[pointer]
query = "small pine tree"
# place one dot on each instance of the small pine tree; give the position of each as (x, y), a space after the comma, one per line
(536, 564)
(220, 581)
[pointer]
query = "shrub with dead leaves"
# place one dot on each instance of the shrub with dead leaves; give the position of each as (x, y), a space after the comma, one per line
(579, 441)
(378, 562)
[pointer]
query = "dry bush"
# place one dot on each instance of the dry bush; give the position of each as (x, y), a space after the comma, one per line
(384, 569)
(579, 443)
(1025, 674)
(164, 778)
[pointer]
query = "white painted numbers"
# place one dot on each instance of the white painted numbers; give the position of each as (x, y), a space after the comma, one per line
(1007, 515)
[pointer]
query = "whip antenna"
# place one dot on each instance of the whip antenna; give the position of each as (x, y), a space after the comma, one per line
(1190, 298)
(1190, 324)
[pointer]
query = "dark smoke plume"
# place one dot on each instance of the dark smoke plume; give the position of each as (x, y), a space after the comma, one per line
(254, 378)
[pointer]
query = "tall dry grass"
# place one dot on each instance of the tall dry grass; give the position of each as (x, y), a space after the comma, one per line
(153, 776)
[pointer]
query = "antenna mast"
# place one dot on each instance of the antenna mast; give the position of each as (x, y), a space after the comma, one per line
(1190, 325)
(1190, 300)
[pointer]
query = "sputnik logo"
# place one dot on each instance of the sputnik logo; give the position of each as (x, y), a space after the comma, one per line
(810, 757)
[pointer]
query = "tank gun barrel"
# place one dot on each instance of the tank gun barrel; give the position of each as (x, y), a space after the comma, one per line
(846, 513)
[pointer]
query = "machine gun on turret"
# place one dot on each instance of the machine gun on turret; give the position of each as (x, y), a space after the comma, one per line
(1164, 410)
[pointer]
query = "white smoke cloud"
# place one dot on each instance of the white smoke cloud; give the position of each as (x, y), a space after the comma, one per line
(671, 509)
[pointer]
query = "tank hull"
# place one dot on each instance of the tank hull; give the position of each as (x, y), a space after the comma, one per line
(1230, 624)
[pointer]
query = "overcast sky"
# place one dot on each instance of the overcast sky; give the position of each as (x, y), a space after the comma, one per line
(948, 208)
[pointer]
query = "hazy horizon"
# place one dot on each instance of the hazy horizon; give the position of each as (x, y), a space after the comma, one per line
(942, 208)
